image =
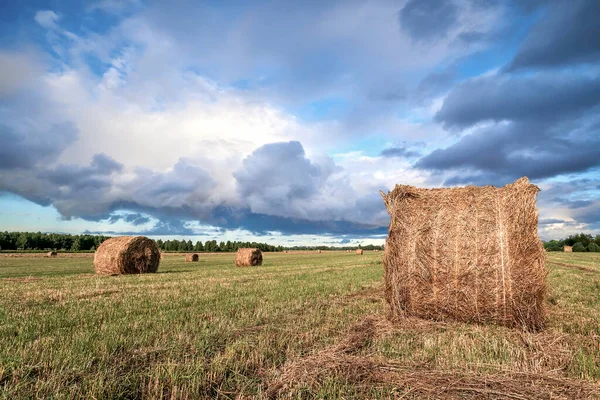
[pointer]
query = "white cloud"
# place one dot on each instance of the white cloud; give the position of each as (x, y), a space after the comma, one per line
(47, 19)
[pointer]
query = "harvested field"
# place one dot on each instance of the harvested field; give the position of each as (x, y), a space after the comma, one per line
(302, 325)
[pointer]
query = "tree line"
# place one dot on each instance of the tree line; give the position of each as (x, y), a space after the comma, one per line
(37, 241)
(581, 242)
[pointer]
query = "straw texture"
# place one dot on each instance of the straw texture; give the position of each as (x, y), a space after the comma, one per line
(469, 254)
(191, 257)
(248, 257)
(568, 249)
(127, 255)
(359, 252)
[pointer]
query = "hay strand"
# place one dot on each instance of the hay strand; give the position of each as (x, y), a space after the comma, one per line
(127, 255)
(248, 257)
(469, 254)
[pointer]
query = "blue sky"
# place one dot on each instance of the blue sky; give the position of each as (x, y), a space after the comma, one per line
(280, 121)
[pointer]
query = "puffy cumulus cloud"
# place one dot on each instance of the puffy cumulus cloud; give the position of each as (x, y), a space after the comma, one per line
(278, 177)
(567, 33)
(279, 180)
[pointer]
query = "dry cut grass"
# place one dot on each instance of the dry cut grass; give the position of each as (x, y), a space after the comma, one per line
(301, 326)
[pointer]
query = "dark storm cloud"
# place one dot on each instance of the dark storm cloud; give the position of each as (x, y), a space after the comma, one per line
(399, 152)
(81, 177)
(435, 83)
(567, 33)
(27, 146)
(261, 224)
(426, 20)
(134, 218)
(500, 154)
(503, 97)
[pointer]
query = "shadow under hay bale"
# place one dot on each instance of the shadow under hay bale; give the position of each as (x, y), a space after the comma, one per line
(248, 257)
(469, 254)
(359, 252)
(51, 254)
(127, 255)
(191, 258)
(568, 249)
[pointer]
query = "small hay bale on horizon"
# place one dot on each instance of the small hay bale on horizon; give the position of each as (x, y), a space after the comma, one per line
(468, 254)
(359, 252)
(127, 255)
(248, 257)
(191, 257)
(568, 249)
(51, 254)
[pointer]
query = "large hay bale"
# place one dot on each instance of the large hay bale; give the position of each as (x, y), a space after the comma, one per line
(51, 254)
(248, 257)
(469, 254)
(359, 252)
(568, 249)
(127, 255)
(191, 257)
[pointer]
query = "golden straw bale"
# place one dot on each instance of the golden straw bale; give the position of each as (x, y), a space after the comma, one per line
(127, 255)
(191, 257)
(248, 257)
(469, 254)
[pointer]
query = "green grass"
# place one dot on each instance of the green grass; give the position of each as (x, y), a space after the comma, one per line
(209, 329)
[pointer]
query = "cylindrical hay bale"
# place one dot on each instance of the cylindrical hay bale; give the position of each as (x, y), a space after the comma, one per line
(469, 254)
(127, 255)
(568, 249)
(191, 257)
(51, 254)
(319, 251)
(248, 257)
(359, 252)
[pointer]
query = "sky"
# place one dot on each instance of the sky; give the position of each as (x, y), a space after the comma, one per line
(280, 121)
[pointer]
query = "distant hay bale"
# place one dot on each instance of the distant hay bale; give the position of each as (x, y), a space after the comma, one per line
(568, 249)
(468, 254)
(248, 257)
(127, 255)
(51, 254)
(191, 258)
(319, 251)
(359, 252)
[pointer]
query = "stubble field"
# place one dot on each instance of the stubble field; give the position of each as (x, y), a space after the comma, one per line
(303, 325)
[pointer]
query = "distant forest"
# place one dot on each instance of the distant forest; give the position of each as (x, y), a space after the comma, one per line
(37, 241)
(580, 242)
